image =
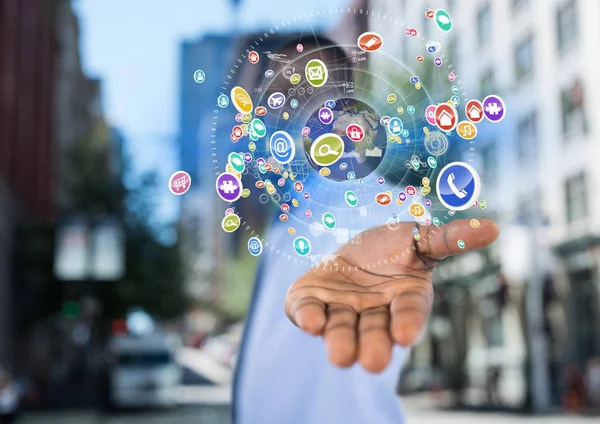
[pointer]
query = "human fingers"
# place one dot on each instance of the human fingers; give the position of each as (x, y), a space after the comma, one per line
(375, 343)
(308, 313)
(409, 311)
(340, 335)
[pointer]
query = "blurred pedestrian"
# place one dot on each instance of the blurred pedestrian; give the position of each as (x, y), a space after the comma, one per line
(574, 397)
(593, 383)
(9, 398)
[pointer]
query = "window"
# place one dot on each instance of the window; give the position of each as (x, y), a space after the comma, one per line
(524, 58)
(573, 113)
(486, 83)
(576, 196)
(527, 138)
(489, 163)
(484, 25)
(566, 22)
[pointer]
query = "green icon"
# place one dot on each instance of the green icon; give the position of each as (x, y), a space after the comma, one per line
(245, 193)
(237, 162)
(443, 20)
(329, 220)
(327, 149)
(258, 127)
(432, 162)
(262, 169)
(351, 198)
(295, 79)
(416, 164)
(253, 136)
(302, 246)
(482, 204)
(461, 244)
(436, 221)
(230, 223)
(410, 109)
(316, 73)
(455, 89)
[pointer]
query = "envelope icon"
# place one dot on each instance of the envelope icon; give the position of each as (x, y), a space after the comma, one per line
(315, 73)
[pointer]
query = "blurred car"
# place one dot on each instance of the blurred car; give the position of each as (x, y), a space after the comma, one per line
(143, 372)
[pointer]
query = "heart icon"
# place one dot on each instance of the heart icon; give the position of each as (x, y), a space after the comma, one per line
(416, 164)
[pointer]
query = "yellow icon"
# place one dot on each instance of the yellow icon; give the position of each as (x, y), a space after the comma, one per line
(466, 130)
(417, 236)
(276, 170)
(285, 174)
(474, 223)
(425, 190)
(416, 210)
(399, 202)
(286, 116)
(400, 110)
(241, 100)
(251, 146)
(270, 188)
(292, 176)
(418, 85)
(391, 98)
(451, 103)
(392, 138)
(295, 203)
(325, 172)
(425, 181)
(399, 140)
(295, 79)
(244, 128)
(230, 169)
(246, 118)
(245, 193)
(426, 130)
(291, 231)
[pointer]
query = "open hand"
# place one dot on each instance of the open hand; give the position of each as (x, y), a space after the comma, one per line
(378, 292)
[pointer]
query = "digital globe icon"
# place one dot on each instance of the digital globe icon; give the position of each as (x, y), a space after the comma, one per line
(361, 157)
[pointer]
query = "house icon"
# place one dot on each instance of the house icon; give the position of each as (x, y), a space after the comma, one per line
(445, 119)
(474, 112)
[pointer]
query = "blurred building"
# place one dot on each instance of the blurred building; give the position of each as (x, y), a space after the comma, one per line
(539, 173)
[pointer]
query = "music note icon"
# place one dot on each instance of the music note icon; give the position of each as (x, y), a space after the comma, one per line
(466, 130)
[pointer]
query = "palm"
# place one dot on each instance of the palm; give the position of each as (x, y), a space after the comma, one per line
(378, 292)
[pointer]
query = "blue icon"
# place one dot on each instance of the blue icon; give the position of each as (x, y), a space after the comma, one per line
(438, 61)
(351, 176)
(287, 197)
(276, 100)
(329, 104)
(269, 73)
(395, 126)
(410, 109)
(432, 49)
(223, 101)
(414, 79)
(199, 76)
(255, 246)
(302, 246)
(294, 103)
(404, 133)
(455, 100)
(282, 147)
(458, 186)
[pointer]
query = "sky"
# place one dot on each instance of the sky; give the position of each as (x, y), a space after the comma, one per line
(133, 47)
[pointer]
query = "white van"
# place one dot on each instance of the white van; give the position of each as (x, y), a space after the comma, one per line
(143, 371)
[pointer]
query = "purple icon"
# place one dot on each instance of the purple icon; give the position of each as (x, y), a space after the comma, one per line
(402, 196)
(494, 108)
(276, 100)
(381, 180)
(260, 161)
(229, 187)
(384, 120)
(307, 195)
(437, 61)
(247, 157)
(428, 202)
(325, 115)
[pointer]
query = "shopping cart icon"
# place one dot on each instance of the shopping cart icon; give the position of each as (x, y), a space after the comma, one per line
(180, 182)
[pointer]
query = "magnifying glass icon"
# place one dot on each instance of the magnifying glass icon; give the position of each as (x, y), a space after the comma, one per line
(326, 149)
(229, 223)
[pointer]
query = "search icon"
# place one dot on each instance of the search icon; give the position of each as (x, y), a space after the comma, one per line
(327, 149)
(230, 223)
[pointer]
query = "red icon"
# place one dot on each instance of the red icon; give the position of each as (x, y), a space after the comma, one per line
(411, 191)
(253, 57)
(237, 131)
(411, 31)
(355, 132)
(285, 207)
(298, 186)
(180, 182)
(277, 170)
(259, 184)
(299, 48)
(474, 111)
(260, 111)
(420, 58)
(370, 41)
(268, 167)
(384, 199)
(446, 117)
(233, 138)
(283, 217)
(430, 13)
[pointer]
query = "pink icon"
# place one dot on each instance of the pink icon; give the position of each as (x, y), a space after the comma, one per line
(299, 48)
(253, 57)
(430, 114)
(305, 131)
(180, 182)
(411, 191)
(355, 132)
(229, 211)
(285, 207)
(281, 182)
(413, 32)
(308, 213)
(298, 186)
(451, 77)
